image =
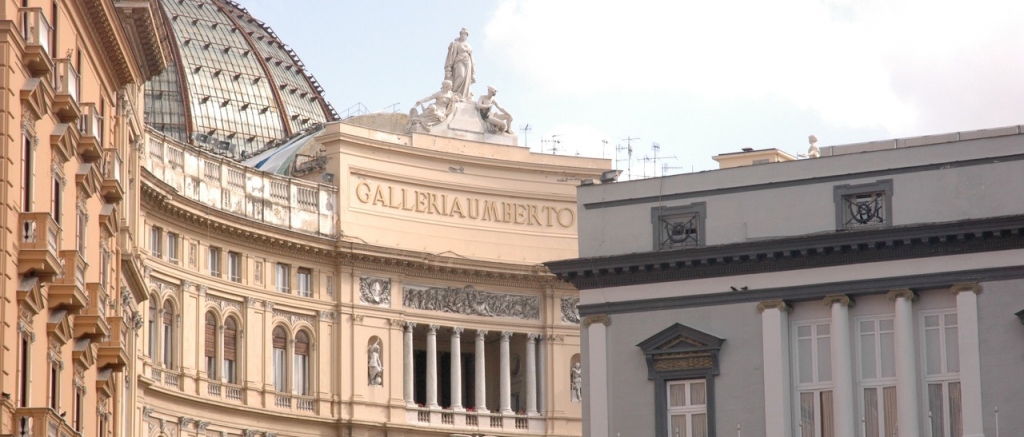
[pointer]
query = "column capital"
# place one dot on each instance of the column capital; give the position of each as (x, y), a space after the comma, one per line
(905, 293)
(456, 331)
(432, 328)
(410, 325)
(596, 318)
(532, 337)
(481, 333)
(778, 304)
(505, 335)
(965, 286)
(841, 299)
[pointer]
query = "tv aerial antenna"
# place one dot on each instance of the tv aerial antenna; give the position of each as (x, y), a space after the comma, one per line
(553, 141)
(655, 148)
(526, 134)
(629, 155)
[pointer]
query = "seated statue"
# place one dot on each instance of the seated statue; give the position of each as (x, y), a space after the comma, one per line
(436, 112)
(498, 122)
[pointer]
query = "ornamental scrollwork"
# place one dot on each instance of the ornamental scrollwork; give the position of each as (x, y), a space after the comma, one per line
(375, 291)
(472, 302)
(570, 310)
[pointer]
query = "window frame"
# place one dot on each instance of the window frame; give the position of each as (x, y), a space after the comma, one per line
(283, 277)
(689, 410)
(156, 235)
(660, 214)
(695, 343)
(234, 266)
(879, 382)
(817, 387)
(172, 247)
(307, 283)
(945, 378)
(213, 261)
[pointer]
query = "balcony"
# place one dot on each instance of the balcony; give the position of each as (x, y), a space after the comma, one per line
(40, 421)
(92, 322)
(38, 247)
(66, 87)
(37, 32)
(68, 288)
(475, 422)
(113, 353)
(112, 189)
(91, 127)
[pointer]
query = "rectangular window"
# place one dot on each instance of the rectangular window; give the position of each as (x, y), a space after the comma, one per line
(687, 408)
(678, 226)
(172, 247)
(279, 368)
(304, 279)
(942, 373)
(81, 235)
(877, 362)
(78, 409)
(282, 278)
(813, 357)
(235, 266)
(156, 236)
(863, 205)
(55, 386)
(27, 159)
(24, 374)
(214, 260)
(55, 203)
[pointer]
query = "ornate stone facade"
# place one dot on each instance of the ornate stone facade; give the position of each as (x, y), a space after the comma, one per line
(471, 302)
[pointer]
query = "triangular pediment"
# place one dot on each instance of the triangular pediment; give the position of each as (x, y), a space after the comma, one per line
(30, 294)
(84, 352)
(33, 98)
(680, 338)
(59, 326)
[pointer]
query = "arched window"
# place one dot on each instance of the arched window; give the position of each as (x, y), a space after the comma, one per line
(230, 350)
(280, 342)
(301, 369)
(168, 334)
(211, 345)
(153, 333)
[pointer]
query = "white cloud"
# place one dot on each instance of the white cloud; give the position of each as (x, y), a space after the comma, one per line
(838, 58)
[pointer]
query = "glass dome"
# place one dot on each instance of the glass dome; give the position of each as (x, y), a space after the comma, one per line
(232, 87)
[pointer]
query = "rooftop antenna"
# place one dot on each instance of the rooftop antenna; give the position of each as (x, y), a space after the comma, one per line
(629, 155)
(655, 147)
(553, 140)
(604, 145)
(665, 168)
(526, 134)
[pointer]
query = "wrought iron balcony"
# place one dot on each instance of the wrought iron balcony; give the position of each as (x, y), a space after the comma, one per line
(112, 188)
(36, 31)
(68, 287)
(91, 126)
(66, 84)
(38, 254)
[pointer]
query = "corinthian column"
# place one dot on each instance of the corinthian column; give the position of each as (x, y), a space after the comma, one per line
(531, 374)
(906, 363)
(432, 367)
(505, 387)
(542, 375)
(843, 404)
(480, 378)
(456, 369)
(407, 365)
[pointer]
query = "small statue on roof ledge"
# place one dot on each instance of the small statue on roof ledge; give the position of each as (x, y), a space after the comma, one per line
(813, 151)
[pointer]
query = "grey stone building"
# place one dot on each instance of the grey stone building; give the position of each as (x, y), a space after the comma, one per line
(875, 291)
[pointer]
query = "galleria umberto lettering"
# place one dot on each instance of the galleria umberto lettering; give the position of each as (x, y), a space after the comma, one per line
(463, 206)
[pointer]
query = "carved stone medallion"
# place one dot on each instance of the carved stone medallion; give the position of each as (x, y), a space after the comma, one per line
(375, 291)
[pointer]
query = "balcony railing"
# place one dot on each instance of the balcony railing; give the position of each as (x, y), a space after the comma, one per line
(283, 401)
(36, 31)
(92, 322)
(171, 379)
(303, 403)
(68, 288)
(91, 127)
(42, 422)
(38, 246)
(114, 351)
(233, 393)
(66, 84)
(112, 188)
(213, 389)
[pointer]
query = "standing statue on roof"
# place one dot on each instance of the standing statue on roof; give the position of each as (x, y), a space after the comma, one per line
(459, 66)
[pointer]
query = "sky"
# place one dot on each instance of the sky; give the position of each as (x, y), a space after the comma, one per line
(697, 78)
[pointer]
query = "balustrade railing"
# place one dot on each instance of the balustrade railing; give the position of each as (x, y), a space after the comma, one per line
(282, 401)
(35, 29)
(213, 389)
(233, 393)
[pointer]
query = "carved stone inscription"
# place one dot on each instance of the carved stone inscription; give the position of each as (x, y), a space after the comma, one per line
(471, 302)
(375, 291)
(570, 314)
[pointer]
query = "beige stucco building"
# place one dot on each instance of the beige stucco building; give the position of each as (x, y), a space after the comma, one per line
(215, 253)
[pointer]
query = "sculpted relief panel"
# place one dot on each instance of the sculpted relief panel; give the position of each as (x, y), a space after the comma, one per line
(375, 291)
(471, 302)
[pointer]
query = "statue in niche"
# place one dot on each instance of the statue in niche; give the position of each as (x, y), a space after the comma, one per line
(374, 365)
(498, 122)
(438, 111)
(459, 67)
(577, 382)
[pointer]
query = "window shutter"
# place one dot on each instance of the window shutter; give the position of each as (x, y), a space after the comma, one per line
(279, 339)
(211, 335)
(302, 344)
(168, 313)
(230, 339)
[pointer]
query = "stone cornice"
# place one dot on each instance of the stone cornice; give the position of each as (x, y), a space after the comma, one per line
(791, 253)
